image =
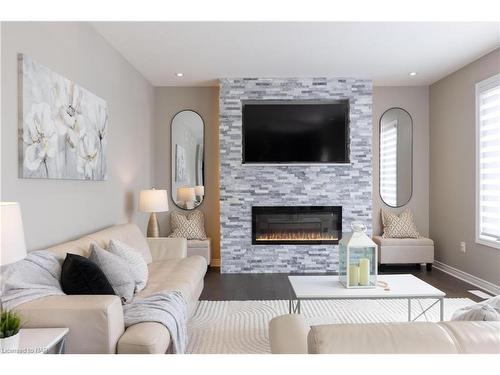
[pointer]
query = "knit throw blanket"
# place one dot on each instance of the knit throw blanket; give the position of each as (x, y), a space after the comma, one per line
(38, 276)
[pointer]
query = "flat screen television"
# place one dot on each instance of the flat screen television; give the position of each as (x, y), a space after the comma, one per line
(295, 132)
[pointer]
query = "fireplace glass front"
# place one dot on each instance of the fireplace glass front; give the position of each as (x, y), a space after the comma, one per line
(297, 225)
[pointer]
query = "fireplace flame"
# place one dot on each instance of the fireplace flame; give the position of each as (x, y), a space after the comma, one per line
(296, 236)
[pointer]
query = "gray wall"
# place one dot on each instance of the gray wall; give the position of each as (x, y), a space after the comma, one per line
(242, 186)
(204, 100)
(452, 172)
(58, 210)
(415, 100)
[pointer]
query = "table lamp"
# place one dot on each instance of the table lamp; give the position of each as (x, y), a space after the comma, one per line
(186, 194)
(199, 192)
(12, 242)
(153, 201)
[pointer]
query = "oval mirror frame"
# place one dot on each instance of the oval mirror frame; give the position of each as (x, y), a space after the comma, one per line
(402, 186)
(187, 159)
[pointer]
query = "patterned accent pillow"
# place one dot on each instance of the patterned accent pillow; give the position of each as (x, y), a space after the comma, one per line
(134, 259)
(190, 226)
(399, 226)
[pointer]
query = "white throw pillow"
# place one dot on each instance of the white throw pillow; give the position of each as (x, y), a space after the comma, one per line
(488, 310)
(399, 226)
(116, 270)
(190, 226)
(134, 259)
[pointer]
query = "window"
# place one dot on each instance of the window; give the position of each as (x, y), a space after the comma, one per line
(488, 162)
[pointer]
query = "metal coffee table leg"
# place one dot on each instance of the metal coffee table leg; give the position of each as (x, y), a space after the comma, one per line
(294, 306)
(61, 346)
(441, 309)
(409, 309)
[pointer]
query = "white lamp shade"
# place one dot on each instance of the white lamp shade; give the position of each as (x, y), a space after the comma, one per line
(186, 194)
(13, 244)
(199, 190)
(153, 201)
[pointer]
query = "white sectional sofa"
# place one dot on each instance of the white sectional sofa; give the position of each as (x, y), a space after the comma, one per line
(290, 334)
(96, 322)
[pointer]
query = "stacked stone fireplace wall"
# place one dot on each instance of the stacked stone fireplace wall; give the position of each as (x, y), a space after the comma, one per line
(243, 186)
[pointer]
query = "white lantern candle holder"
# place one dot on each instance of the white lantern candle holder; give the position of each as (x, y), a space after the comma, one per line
(357, 259)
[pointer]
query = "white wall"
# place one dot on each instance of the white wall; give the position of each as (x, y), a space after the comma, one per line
(58, 210)
(415, 100)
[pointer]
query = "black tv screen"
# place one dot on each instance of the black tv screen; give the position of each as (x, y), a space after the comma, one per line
(294, 132)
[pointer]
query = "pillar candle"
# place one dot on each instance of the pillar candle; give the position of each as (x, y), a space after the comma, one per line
(364, 271)
(353, 275)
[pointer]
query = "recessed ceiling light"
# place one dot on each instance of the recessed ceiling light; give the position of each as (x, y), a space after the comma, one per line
(179, 74)
(412, 74)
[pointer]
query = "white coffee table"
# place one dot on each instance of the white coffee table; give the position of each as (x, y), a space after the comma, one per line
(42, 340)
(400, 287)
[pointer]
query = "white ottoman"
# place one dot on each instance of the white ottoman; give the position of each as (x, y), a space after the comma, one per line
(200, 247)
(405, 250)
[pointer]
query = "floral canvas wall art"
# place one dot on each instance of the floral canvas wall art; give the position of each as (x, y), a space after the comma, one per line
(62, 127)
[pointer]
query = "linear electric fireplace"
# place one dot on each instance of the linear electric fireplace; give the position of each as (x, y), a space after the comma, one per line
(296, 225)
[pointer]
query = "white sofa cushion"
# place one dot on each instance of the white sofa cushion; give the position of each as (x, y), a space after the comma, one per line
(126, 233)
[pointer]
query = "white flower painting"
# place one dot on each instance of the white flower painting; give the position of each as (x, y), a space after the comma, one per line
(63, 127)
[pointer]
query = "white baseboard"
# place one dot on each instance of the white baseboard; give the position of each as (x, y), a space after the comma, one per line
(467, 277)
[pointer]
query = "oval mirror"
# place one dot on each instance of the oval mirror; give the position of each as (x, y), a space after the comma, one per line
(396, 157)
(187, 159)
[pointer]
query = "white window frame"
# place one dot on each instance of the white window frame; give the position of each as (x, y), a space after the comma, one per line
(481, 86)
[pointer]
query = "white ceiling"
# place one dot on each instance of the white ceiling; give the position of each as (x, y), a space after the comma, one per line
(382, 51)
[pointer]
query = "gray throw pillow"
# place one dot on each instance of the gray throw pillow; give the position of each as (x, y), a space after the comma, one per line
(488, 310)
(134, 259)
(116, 270)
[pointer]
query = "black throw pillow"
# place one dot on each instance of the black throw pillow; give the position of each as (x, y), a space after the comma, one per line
(82, 276)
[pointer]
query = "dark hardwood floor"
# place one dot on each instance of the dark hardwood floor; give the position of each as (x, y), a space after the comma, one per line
(220, 287)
